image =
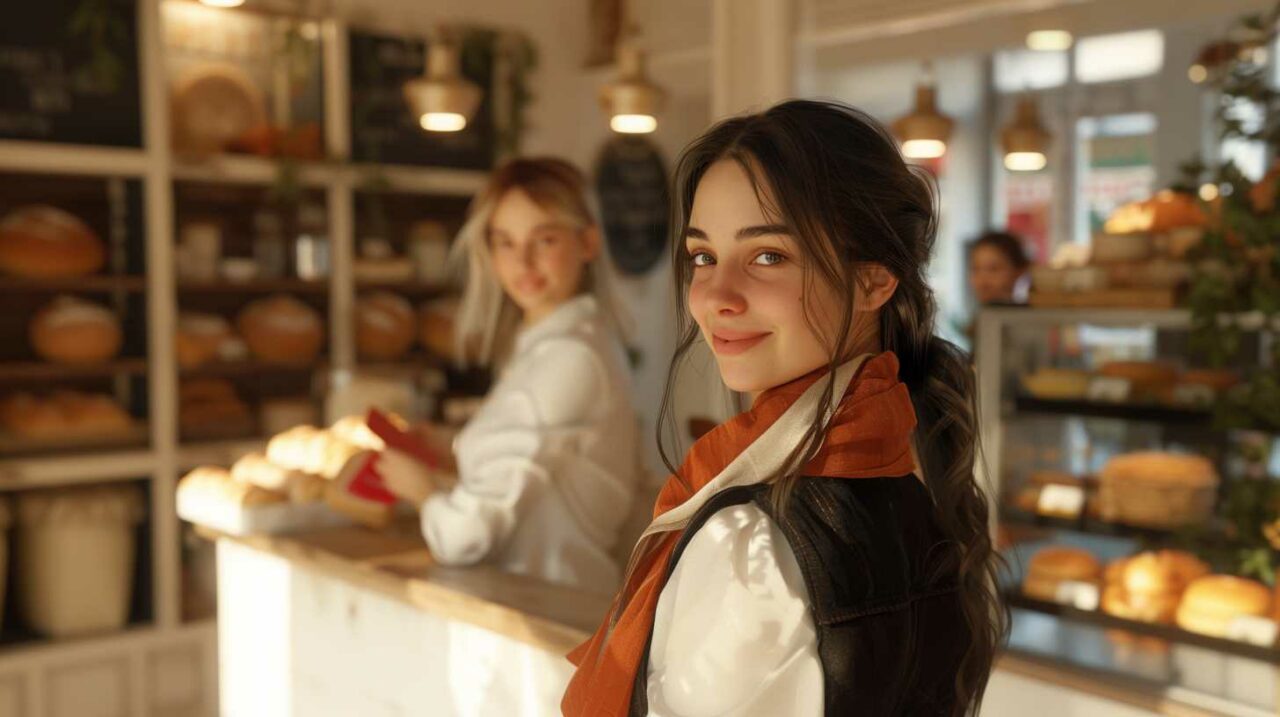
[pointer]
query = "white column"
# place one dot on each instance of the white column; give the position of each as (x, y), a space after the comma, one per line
(752, 54)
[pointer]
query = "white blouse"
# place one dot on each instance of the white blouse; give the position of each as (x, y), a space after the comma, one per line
(732, 633)
(548, 465)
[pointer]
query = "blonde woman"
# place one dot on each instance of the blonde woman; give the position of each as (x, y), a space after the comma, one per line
(545, 471)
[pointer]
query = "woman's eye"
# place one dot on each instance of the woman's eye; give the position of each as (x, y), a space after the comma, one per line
(701, 258)
(769, 258)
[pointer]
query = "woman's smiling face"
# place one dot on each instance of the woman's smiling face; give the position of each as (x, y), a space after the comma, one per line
(747, 294)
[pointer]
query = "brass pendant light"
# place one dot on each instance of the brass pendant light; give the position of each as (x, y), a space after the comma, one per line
(631, 101)
(1025, 140)
(924, 132)
(442, 99)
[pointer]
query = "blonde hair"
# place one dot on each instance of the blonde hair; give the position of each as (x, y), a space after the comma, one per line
(487, 319)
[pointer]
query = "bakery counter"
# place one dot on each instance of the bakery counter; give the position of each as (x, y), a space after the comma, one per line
(348, 621)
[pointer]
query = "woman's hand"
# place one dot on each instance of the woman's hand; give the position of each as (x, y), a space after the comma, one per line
(407, 477)
(439, 439)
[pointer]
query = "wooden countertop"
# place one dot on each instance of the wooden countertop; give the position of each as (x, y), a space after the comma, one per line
(396, 563)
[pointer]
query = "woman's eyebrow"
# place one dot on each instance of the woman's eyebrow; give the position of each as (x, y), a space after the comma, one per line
(751, 232)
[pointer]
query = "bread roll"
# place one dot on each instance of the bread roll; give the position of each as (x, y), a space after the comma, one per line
(214, 486)
(255, 469)
(200, 337)
(73, 331)
(435, 328)
(1212, 602)
(43, 242)
(290, 448)
(1056, 383)
(384, 326)
(69, 415)
(282, 329)
(1054, 565)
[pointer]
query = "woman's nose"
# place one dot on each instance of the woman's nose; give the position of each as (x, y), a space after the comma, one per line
(724, 294)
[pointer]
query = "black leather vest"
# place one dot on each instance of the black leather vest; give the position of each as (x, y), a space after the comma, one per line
(882, 591)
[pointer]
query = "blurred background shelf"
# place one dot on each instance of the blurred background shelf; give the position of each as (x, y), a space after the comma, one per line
(23, 371)
(1120, 411)
(94, 284)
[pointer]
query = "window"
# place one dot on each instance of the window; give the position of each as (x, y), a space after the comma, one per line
(1019, 70)
(1122, 56)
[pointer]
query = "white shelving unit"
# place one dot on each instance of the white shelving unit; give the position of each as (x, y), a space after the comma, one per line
(169, 667)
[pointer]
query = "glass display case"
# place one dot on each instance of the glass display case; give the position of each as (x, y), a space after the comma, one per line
(1135, 528)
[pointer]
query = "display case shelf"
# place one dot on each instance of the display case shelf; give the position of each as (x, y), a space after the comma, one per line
(84, 284)
(1121, 411)
(1015, 599)
(25, 371)
(1084, 524)
(310, 287)
(62, 470)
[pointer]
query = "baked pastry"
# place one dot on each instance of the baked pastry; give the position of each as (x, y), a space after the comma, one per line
(1110, 248)
(1144, 377)
(1166, 211)
(212, 404)
(384, 326)
(69, 415)
(280, 414)
(43, 242)
(1212, 602)
(215, 487)
(1068, 278)
(1057, 383)
(282, 329)
(435, 328)
(290, 448)
(1148, 586)
(354, 430)
(255, 469)
(200, 337)
(1156, 489)
(1160, 467)
(1052, 566)
(74, 331)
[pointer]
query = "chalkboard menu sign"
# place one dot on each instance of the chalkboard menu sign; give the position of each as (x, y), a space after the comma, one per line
(632, 183)
(69, 72)
(383, 129)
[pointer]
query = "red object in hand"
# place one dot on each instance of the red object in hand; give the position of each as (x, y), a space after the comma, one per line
(400, 440)
(367, 483)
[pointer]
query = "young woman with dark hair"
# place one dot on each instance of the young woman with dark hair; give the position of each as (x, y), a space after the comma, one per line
(827, 551)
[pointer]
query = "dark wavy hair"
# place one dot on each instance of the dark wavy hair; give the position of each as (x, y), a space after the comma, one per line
(836, 179)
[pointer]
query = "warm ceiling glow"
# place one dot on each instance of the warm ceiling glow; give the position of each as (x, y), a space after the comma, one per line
(1049, 40)
(442, 121)
(923, 148)
(633, 124)
(1025, 161)
(222, 3)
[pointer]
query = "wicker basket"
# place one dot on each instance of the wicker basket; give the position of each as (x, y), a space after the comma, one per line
(1150, 498)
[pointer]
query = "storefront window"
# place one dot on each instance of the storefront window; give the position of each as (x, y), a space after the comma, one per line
(1114, 166)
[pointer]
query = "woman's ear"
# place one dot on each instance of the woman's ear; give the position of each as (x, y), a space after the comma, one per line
(591, 238)
(875, 287)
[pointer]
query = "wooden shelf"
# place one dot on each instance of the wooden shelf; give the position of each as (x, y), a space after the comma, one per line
(1171, 633)
(416, 289)
(310, 287)
(95, 284)
(60, 470)
(21, 371)
(134, 437)
(1121, 411)
(252, 170)
(73, 159)
(249, 368)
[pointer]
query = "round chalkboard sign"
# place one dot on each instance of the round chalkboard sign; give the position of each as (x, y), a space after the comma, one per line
(632, 183)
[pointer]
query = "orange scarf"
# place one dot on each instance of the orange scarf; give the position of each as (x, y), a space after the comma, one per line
(869, 436)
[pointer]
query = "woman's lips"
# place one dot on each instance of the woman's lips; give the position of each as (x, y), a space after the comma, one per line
(729, 343)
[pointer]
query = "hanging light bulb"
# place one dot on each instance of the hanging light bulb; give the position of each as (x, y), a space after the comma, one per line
(632, 101)
(442, 99)
(1212, 61)
(1025, 140)
(925, 131)
(1049, 40)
